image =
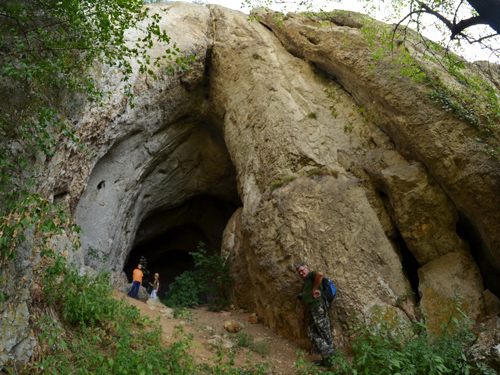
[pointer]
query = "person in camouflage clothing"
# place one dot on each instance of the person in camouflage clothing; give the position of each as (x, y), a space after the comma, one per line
(315, 308)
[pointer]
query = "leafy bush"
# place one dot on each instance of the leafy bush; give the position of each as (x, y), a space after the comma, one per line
(392, 345)
(205, 283)
(108, 336)
(186, 290)
(79, 296)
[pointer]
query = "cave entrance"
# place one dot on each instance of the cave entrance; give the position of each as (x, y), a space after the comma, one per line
(166, 237)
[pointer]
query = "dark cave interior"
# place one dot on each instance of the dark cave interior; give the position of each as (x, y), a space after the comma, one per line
(176, 233)
(478, 249)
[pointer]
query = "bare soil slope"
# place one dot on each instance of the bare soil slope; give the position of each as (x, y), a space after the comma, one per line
(206, 325)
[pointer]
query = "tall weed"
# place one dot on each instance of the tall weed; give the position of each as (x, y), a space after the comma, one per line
(390, 346)
(107, 336)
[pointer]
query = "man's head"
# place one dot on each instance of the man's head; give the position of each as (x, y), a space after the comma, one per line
(303, 270)
(139, 266)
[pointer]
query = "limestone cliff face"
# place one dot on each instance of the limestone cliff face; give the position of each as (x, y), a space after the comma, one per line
(268, 123)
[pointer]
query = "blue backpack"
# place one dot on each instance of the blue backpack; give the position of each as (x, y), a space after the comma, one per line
(329, 291)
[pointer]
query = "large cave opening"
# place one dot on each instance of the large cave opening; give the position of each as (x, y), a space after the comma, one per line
(166, 237)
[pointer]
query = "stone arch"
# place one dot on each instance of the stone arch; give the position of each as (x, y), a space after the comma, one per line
(150, 188)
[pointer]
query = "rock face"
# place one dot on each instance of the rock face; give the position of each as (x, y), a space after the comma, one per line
(269, 125)
(16, 341)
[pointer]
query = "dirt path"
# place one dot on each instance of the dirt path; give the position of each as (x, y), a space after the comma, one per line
(207, 326)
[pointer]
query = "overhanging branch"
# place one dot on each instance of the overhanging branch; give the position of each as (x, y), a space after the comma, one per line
(462, 25)
(455, 28)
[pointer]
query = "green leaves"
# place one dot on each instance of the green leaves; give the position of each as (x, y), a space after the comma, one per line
(109, 336)
(48, 52)
(210, 276)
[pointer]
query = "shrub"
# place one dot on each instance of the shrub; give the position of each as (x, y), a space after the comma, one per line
(396, 346)
(205, 283)
(79, 296)
(186, 290)
(108, 336)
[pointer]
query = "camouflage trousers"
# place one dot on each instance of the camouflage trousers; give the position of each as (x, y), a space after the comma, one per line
(318, 331)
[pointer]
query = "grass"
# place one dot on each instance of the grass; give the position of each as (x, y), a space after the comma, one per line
(279, 183)
(93, 333)
(256, 56)
(244, 339)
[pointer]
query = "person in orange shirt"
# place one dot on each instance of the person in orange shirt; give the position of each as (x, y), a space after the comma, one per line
(136, 282)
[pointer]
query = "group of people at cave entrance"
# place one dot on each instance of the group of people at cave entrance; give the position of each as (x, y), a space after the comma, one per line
(315, 308)
(137, 276)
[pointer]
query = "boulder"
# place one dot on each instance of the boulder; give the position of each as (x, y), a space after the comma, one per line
(232, 327)
(453, 274)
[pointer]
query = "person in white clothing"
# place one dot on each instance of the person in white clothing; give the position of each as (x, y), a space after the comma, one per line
(156, 286)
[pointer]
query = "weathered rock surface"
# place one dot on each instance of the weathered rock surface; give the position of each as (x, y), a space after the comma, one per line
(268, 119)
(487, 347)
(420, 130)
(445, 276)
(16, 340)
(420, 209)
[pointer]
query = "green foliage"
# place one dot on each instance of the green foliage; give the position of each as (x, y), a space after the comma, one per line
(35, 216)
(279, 183)
(96, 255)
(312, 115)
(256, 56)
(49, 47)
(109, 336)
(262, 347)
(206, 282)
(436, 19)
(79, 295)
(470, 99)
(182, 312)
(475, 101)
(48, 55)
(224, 365)
(186, 290)
(389, 345)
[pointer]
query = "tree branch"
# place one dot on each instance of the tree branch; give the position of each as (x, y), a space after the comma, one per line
(489, 10)
(455, 28)
(436, 14)
(462, 25)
